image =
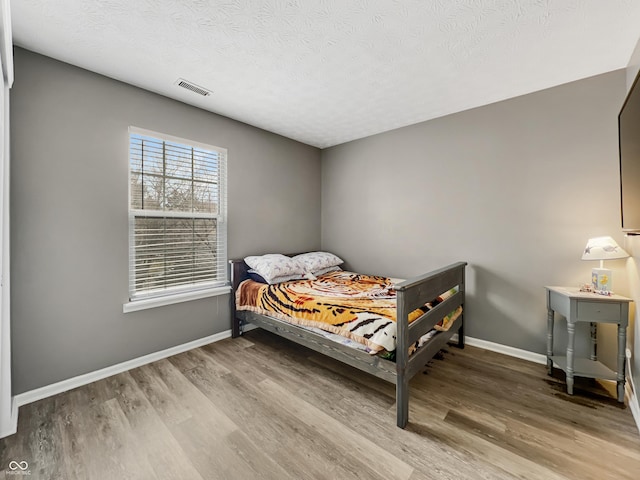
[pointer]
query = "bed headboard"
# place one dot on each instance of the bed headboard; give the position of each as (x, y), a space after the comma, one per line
(238, 272)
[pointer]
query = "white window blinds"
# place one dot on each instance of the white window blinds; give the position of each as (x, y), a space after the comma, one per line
(177, 215)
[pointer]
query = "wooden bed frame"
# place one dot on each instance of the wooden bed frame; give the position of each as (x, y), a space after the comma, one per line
(411, 294)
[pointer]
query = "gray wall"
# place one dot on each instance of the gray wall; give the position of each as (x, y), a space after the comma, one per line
(515, 188)
(69, 217)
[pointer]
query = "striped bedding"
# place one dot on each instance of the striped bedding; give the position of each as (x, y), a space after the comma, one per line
(361, 308)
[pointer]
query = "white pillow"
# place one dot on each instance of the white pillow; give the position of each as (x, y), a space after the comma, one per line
(315, 261)
(274, 265)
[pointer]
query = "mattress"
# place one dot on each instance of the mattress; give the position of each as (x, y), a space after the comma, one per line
(359, 309)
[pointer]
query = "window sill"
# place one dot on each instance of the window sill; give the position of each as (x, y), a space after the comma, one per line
(147, 303)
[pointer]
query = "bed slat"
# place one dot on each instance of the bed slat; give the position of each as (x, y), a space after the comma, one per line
(428, 320)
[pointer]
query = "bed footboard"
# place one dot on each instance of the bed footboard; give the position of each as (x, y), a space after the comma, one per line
(411, 294)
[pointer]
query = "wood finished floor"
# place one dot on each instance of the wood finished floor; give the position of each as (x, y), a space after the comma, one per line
(260, 407)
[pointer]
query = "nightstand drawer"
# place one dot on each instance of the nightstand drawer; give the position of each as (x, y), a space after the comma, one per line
(599, 311)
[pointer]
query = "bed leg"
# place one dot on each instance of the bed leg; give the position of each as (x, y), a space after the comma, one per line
(461, 335)
(235, 274)
(236, 329)
(402, 401)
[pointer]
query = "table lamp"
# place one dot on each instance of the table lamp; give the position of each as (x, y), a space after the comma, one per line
(602, 248)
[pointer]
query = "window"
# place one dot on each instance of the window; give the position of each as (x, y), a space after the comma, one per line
(177, 215)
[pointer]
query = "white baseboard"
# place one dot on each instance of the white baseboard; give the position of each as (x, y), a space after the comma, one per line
(504, 349)
(80, 380)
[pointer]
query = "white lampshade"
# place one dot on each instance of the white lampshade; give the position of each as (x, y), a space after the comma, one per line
(603, 248)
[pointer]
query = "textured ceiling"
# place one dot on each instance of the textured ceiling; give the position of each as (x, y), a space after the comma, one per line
(328, 71)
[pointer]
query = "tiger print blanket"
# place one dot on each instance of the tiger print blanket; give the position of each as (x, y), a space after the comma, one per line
(359, 307)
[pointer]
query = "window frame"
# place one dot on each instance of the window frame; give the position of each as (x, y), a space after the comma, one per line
(178, 293)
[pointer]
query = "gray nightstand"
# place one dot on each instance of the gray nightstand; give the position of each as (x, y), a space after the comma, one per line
(579, 306)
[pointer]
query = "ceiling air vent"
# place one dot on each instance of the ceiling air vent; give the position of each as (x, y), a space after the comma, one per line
(181, 82)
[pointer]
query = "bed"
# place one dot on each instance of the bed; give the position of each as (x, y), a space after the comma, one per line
(409, 295)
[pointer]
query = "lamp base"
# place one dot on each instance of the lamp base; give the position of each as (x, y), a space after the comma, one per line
(601, 279)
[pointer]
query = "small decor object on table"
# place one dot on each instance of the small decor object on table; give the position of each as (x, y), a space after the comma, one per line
(586, 287)
(600, 279)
